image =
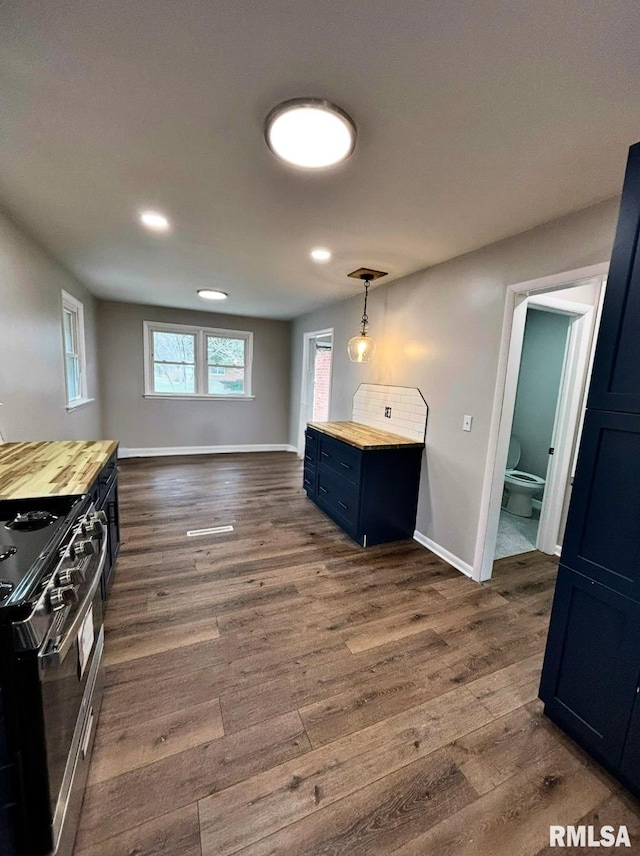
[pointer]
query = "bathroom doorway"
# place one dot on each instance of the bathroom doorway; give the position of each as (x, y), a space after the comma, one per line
(544, 349)
(317, 363)
(576, 303)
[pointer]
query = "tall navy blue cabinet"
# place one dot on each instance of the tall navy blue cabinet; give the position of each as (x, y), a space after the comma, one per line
(591, 674)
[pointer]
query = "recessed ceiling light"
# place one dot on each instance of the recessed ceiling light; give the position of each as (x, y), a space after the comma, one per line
(320, 254)
(212, 294)
(310, 133)
(155, 221)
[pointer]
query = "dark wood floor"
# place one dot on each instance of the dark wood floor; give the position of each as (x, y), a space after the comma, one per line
(279, 690)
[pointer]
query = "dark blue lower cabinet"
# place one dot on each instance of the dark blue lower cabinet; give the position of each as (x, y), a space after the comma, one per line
(592, 665)
(630, 766)
(372, 494)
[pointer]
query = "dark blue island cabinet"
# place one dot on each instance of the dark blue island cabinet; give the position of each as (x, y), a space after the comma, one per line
(370, 489)
(591, 674)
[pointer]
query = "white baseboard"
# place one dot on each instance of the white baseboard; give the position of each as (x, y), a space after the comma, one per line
(448, 557)
(558, 550)
(165, 451)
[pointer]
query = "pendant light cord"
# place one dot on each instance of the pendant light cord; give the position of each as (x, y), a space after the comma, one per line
(365, 317)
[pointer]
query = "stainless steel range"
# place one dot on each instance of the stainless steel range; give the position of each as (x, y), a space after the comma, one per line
(52, 552)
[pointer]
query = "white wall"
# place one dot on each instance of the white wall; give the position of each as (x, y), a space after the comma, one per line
(143, 423)
(32, 387)
(439, 330)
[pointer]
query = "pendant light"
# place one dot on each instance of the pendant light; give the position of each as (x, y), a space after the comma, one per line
(361, 348)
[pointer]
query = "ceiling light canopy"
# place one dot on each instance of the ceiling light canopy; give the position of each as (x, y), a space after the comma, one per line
(212, 294)
(155, 221)
(320, 254)
(310, 133)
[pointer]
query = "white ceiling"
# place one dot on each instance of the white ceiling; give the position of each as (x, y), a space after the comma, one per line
(477, 119)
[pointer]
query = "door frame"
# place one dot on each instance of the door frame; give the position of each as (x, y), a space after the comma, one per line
(504, 401)
(305, 404)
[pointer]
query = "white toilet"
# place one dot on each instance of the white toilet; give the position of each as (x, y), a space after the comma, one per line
(521, 486)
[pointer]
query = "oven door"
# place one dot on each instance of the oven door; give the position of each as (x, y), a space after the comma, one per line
(71, 676)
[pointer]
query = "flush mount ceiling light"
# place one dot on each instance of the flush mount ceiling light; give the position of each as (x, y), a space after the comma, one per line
(310, 133)
(212, 294)
(361, 348)
(155, 221)
(320, 254)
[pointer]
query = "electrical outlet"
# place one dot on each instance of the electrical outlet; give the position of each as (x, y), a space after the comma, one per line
(387, 412)
(466, 423)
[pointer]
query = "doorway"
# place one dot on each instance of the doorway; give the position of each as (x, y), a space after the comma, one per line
(578, 301)
(315, 395)
(542, 365)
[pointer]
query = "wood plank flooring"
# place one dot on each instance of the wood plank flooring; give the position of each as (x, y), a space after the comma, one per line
(279, 691)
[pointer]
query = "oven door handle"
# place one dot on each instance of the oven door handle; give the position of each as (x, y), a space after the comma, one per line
(54, 656)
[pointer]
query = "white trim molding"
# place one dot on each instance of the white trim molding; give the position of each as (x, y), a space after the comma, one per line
(78, 404)
(200, 361)
(504, 398)
(75, 309)
(443, 553)
(167, 451)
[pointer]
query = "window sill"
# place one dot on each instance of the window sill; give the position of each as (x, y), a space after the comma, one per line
(171, 397)
(78, 404)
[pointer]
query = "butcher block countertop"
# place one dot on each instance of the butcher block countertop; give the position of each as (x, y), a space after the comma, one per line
(52, 468)
(364, 437)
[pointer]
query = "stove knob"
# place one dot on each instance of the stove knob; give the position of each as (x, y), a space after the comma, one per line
(96, 527)
(82, 548)
(64, 596)
(71, 577)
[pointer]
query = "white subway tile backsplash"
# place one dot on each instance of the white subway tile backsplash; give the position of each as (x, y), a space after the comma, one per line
(408, 409)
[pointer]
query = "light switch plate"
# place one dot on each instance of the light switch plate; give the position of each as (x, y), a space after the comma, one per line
(466, 423)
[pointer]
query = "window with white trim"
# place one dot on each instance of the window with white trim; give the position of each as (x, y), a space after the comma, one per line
(196, 362)
(75, 363)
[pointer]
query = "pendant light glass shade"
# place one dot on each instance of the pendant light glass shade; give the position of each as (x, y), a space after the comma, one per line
(361, 349)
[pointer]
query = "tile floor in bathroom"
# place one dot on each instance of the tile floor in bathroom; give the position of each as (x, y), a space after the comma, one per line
(516, 534)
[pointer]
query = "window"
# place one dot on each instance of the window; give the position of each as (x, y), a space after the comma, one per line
(75, 366)
(197, 362)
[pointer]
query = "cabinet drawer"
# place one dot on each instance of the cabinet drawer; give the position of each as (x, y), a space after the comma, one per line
(309, 479)
(339, 495)
(340, 458)
(311, 446)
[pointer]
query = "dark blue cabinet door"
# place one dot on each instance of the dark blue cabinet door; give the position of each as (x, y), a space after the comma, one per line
(615, 382)
(602, 538)
(630, 767)
(592, 663)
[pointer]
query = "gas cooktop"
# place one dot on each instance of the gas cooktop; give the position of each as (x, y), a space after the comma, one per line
(30, 531)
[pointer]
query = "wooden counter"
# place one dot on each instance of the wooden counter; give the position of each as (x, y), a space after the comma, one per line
(364, 437)
(52, 468)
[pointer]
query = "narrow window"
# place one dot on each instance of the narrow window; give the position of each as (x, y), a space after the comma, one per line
(75, 369)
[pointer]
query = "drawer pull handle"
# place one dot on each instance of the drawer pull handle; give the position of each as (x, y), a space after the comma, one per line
(323, 489)
(308, 458)
(307, 481)
(346, 466)
(343, 505)
(325, 454)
